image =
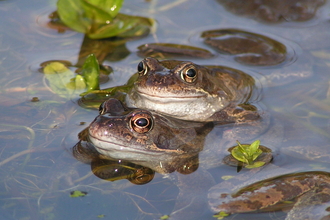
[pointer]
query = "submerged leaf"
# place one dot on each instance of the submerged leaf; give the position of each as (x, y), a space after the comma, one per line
(59, 77)
(255, 164)
(227, 177)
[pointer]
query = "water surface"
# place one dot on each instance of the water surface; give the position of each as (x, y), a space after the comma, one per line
(37, 171)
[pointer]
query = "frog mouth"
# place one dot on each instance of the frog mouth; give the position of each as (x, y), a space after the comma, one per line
(170, 97)
(100, 144)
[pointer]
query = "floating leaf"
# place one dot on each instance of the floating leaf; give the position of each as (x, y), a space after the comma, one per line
(255, 165)
(80, 82)
(254, 147)
(78, 193)
(59, 77)
(227, 177)
(247, 153)
(165, 50)
(239, 154)
(221, 215)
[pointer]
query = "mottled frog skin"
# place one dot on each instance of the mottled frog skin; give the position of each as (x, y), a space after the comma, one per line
(188, 91)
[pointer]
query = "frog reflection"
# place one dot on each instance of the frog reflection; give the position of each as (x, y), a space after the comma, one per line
(110, 169)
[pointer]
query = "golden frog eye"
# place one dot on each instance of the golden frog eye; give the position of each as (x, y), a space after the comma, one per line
(142, 68)
(102, 108)
(189, 75)
(141, 122)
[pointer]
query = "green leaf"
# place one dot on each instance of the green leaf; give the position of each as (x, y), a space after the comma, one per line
(246, 153)
(59, 77)
(100, 19)
(255, 165)
(256, 154)
(254, 147)
(77, 193)
(113, 6)
(122, 26)
(242, 149)
(80, 83)
(221, 215)
(239, 155)
(85, 15)
(91, 73)
(227, 177)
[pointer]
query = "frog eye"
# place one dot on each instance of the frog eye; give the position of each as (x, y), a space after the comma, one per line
(189, 75)
(102, 108)
(142, 68)
(141, 122)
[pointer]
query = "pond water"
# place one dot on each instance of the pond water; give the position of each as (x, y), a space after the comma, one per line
(37, 170)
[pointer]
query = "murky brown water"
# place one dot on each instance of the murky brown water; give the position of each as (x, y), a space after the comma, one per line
(35, 166)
